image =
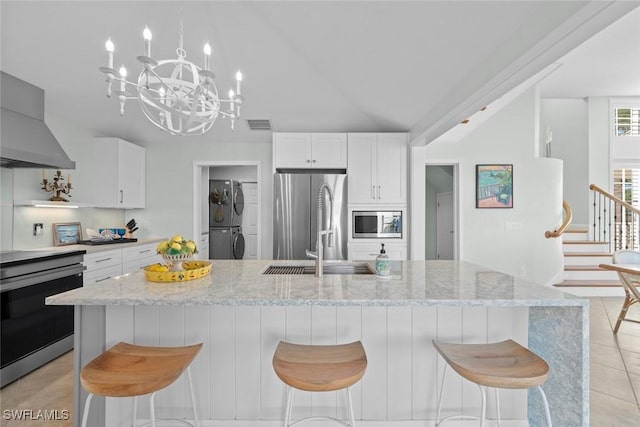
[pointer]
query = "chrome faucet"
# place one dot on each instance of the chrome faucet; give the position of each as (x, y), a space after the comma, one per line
(318, 254)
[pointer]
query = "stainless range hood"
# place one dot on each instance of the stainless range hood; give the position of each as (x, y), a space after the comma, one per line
(26, 141)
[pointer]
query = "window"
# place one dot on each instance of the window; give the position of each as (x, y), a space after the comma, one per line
(627, 121)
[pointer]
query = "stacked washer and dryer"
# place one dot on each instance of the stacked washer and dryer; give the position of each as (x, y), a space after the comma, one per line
(226, 203)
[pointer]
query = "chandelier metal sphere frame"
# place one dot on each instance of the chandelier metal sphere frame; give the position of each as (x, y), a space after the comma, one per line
(175, 94)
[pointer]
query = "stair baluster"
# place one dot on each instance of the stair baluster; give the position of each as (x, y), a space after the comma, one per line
(623, 232)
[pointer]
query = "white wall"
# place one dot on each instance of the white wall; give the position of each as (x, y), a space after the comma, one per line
(600, 172)
(27, 183)
(568, 119)
(599, 149)
(238, 173)
(507, 240)
(170, 184)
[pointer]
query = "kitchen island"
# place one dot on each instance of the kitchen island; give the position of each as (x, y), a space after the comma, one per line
(241, 314)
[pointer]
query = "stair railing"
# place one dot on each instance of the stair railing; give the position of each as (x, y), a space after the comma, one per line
(614, 221)
(568, 215)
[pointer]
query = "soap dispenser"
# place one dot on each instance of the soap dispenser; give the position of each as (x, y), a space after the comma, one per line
(382, 264)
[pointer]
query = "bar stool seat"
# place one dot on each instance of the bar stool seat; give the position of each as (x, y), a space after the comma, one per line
(127, 370)
(319, 368)
(505, 364)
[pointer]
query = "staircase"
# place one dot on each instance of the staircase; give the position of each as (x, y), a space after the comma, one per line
(582, 276)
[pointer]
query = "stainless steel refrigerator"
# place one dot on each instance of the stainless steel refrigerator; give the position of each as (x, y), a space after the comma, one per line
(295, 208)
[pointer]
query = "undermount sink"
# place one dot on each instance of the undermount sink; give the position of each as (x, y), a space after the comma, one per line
(328, 268)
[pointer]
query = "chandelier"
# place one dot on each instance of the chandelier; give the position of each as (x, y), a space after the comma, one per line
(175, 94)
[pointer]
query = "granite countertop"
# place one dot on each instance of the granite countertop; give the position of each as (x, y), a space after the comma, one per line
(234, 282)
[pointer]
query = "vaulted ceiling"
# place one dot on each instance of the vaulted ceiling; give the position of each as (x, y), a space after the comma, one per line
(418, 66)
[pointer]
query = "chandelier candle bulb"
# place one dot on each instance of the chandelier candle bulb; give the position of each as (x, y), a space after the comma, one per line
(110, 48)
(231, 95)
(146, 34)
(123, 75)
(207, 56)
(238, 80)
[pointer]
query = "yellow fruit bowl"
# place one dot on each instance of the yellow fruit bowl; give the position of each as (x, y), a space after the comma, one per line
(192, 270)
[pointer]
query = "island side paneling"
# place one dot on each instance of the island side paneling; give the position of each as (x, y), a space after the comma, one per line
(234, 378)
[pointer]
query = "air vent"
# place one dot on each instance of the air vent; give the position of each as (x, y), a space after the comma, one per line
(259, 124)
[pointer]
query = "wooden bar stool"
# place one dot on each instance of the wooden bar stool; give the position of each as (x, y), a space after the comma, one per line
(319, 368)
(127, 370)
(506, 364)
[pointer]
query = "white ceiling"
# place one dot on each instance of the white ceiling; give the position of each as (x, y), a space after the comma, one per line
(417, 66)
(608, 64)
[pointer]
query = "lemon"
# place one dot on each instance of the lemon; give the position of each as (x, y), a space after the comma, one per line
(177, 238)
(162, 247)
(157, 267)
(191, 246)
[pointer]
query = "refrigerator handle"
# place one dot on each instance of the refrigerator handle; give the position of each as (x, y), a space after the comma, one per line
(378, 192)
(373, 192)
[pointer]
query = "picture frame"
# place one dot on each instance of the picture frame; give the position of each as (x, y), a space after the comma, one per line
(66, 233)
(494, 186)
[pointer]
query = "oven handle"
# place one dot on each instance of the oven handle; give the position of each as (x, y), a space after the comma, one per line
(40, 277)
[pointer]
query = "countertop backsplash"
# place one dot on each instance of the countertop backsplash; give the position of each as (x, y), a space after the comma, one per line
(24, 217)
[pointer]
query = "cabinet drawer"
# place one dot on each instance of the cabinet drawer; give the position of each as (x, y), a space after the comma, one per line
(101, 274)
(137, 252)
(102, 259)
(135, 265)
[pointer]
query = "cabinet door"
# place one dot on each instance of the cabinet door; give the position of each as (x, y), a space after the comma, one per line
(104, 168)
(369, 251)
(361, 160)
(292, 150)
(392, 168)
(131, 175)
(329, 150)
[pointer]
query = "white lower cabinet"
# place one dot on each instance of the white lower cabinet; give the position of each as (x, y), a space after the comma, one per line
(370, 250)
(103, 265)
(136, 257)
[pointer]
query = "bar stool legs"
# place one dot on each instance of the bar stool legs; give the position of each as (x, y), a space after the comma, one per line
(465, 417)
(483, 413)
(152, 410)
(313, 368)
(289, 407)
(128, 370)
(506, 364)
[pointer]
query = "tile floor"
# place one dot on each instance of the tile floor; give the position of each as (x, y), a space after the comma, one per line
(48, 388)
(615, 376)
(615, 365)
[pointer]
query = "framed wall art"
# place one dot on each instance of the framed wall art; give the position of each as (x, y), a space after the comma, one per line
(494, 186)
(66, 233)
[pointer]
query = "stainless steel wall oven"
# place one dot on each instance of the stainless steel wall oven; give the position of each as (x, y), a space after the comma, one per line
(33, 333)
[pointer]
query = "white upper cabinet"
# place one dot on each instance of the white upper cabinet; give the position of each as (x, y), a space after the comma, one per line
(310, 150)
(377, 168)
(119, 174)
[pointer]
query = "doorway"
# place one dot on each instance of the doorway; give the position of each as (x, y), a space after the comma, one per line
(246, 173)
(440, 213)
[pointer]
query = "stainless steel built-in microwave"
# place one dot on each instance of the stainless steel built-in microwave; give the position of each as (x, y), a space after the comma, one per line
(376, 225)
